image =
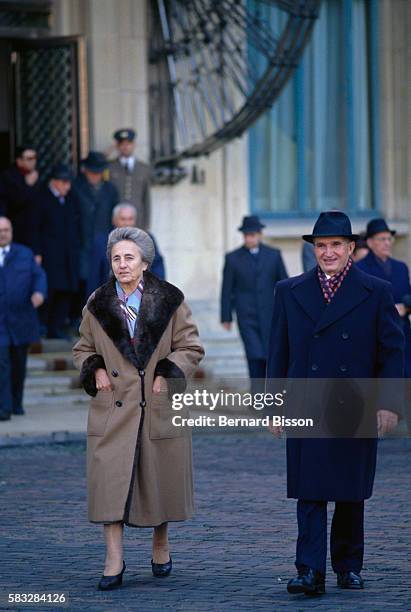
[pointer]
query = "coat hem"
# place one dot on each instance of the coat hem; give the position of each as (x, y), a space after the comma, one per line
(128, 524)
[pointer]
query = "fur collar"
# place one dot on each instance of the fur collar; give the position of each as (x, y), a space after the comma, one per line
(159, 302)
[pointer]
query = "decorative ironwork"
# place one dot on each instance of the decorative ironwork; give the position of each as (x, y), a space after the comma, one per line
(26, 14)
(216, 66)
(47, 101)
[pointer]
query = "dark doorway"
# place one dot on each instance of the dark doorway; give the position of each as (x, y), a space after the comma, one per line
(43, 99)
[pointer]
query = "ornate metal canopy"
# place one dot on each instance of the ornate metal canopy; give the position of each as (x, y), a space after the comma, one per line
(216, 66)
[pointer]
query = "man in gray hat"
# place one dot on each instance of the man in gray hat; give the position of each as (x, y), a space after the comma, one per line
(131, 176)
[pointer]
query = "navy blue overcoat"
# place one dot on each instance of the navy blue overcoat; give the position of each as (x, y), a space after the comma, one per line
(401, 291)
(248, 289)
(357, 335)
(20, 277)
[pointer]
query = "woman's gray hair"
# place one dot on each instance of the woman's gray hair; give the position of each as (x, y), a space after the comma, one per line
(140, 238)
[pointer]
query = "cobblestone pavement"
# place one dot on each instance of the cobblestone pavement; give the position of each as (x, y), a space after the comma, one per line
(236, 554)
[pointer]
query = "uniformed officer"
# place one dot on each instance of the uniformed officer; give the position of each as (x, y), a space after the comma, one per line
(131, 176)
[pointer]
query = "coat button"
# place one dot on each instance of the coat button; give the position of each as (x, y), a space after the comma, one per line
(114, 373)
(343, 368)
(141, 372)
(345, 336)
(119, 404)
(143, 404)
(314, 367)
(316, 336)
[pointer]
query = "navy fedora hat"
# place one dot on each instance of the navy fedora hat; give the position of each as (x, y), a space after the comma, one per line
(251, 224)
(95, 162)
(62, 172)
(331, 223)
(376, 226)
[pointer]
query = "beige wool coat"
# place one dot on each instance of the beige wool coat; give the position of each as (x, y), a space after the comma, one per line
(139, 465)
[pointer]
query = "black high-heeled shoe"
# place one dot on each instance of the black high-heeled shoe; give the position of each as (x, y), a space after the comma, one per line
(161, 569)
(111, 582)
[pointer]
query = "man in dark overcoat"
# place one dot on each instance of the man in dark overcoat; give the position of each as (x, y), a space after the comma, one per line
(56, 230)
(131, 176)
(23, 287)
(97, 198)
(333, 322)
(18, 184)
(249, 277)
(379, 262)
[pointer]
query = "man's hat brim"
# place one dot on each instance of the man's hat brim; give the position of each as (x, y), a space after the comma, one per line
(310, 237)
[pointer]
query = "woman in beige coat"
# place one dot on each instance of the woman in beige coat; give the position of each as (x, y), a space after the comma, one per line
(138, 345)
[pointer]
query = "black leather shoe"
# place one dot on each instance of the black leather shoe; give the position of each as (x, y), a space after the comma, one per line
(349, 580)
(308, 581)
(111, 582)
(5, 416)
(161, 569)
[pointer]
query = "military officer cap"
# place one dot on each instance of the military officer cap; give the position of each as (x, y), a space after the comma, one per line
(124, 134)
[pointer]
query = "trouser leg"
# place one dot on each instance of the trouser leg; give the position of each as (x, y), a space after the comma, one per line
(58, 310)
(312, 535)
(347, 537)
(6, 403)
(18, 358)
(256, 369)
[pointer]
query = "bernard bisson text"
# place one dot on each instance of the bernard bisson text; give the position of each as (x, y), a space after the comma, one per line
(225, 421)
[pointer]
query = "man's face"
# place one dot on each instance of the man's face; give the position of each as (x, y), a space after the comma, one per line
(381, 244)
(126, 217)
(27, 161)
(126, 147)
(252, 239)
(62, 186)
(94, 178)
(6, 232)
(332, 253)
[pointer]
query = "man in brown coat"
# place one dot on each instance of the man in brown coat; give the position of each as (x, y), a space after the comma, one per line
(131, 176)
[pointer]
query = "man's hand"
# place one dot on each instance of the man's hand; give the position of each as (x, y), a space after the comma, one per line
(276, 430)
(159, 384)
(227, 325)
(37, 299)
(102, 380)
(38, 259)
(31, 178)
(386, 421)
(402, 310)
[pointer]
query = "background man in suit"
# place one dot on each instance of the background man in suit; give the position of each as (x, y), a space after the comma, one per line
(124, 215)
(379, 262)
(22, 289)
(333, 322)
(131, 176)
(56, 230)
(18, 184)
(249, 277)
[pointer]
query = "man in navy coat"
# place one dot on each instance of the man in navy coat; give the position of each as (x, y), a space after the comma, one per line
(22, 289)
(333, 322)
(379, 262)
(249, 277)
(55, 242)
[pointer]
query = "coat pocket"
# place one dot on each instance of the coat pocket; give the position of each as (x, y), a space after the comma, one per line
(99, 413)
(161, 418)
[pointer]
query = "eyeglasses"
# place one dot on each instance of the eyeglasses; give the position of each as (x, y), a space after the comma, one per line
(384, 239)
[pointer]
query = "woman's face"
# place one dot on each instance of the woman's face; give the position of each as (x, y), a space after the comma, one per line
(126, 262)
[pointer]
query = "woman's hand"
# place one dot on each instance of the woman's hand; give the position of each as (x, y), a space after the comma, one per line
(159, 384)
(102, 380)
